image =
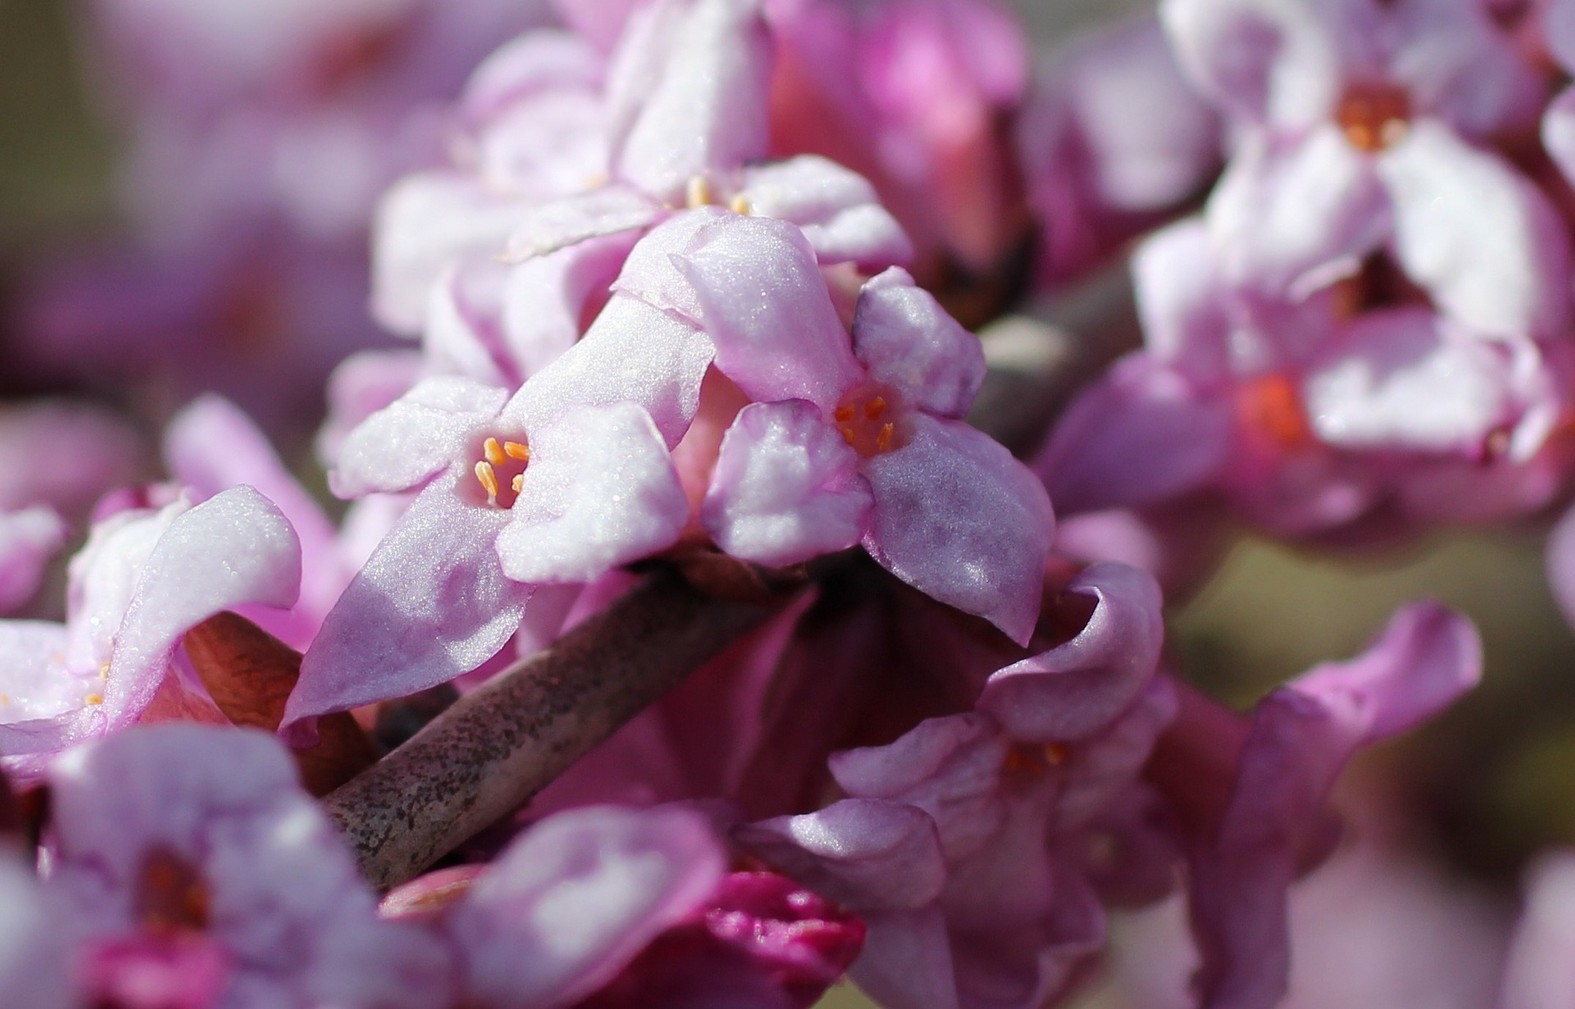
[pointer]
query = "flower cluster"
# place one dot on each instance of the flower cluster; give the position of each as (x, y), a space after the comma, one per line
(682, 636)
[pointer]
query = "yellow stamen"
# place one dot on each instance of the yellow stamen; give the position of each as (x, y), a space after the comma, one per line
(739, 205)
(843, 414)
(518, 483)
(94, 699)
(698, 193)
(516, 450)
(875, 407)
(493, 451)
(488, 478)
(883, 440)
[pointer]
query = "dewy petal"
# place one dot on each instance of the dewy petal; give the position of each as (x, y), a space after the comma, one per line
(1301, 737)
(1271, 61)
(573, 219)
(1289, 216)
(764, 303)
(421, 433)
(1401, 379)
(430, 604)
(786, 487)
(908, 341)
(545, 300)
(687, 92)
(571, 902)
(633, 353)
(963, 522)
(1481, 239)
(1078, 688)
(600, 490)
(34, 680)
(28, 539)
(234, 549)
(836, 208)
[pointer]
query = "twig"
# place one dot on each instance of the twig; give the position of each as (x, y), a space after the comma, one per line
(496, 747)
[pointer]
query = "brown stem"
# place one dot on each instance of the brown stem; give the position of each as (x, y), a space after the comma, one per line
(496, 747)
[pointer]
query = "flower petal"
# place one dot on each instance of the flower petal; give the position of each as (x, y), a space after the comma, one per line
(836, 208)
(573, 219)
(1484, 242)
(1078, 688)
(419, 434)
(600, 490)
(908, 341)
(431, 603)
(963, 522)
(786, 487)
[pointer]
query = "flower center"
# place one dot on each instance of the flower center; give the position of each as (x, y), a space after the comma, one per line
(869, 419)
(1271, 406)
(1374, 115)
(501, 470)
(171, 895)
(701, 193)
(1027, 758)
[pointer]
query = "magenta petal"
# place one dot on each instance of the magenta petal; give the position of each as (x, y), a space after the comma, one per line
(1301, 737)
(431, 603)
(786, 487)
(417, 435)
(764, 303)
(963, 522)
(1077, 688)
(907, 960)
(687, 92)
(862, 853)
(1486, 244)
(600, 491)
(837, 209)
(908, 341)
(233, 549)
(571, 902)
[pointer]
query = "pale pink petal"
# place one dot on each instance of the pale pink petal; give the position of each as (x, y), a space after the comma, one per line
(786, 487)
(1484, 242)
(633, 353)
(28, 539)
(1402, 379)
(573, 219)
(1536, 974)
(571, 902)
(421, 433)
(1291, 216)
(431, 603)
(837, 209)
(546, 301)
(1272, 61)
(600, 491)
(909, 342)
(234, 549)
(963, 522)
(687, 92)
(1558, 132)
(764, 303)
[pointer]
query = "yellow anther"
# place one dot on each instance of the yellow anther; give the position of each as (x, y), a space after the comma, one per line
(493, 451)
(518, 483)
(739, 205)
(698, 193)
(94, 699)
(517, 450)
(883, 440)
(843, 414)
(489, 479)
(103, 670)
(5, 698)
(875, 407)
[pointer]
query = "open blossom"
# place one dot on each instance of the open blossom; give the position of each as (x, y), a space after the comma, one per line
(144, 578)
(852, 437)
(560, 482)
(194, 869)
(1365, 128)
